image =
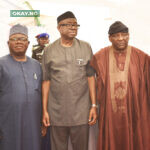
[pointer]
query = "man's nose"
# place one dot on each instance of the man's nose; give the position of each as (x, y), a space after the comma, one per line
(19, 41)
(120, 37)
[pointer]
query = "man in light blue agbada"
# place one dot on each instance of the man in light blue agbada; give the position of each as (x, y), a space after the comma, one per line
(20, 95)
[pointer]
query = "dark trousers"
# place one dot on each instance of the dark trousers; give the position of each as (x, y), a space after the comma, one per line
(46, 141)
(79, 136)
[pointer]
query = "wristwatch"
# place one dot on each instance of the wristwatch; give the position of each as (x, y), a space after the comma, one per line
(94, 105)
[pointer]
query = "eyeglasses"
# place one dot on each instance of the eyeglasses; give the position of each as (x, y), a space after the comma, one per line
(70, 25)
(22, 39)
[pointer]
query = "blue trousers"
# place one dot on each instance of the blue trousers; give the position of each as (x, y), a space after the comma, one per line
(46, 141)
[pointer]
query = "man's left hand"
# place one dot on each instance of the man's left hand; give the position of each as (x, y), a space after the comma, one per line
(93, 116)
(43, 130)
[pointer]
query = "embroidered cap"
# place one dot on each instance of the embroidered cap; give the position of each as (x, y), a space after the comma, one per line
(18, 29)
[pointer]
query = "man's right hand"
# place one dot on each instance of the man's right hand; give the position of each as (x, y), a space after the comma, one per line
(46, 119)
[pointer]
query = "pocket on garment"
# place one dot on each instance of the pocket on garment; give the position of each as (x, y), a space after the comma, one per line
(37, 82)
(80, 67)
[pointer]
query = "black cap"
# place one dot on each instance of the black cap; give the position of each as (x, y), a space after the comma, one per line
(65, 15)
(116, 27)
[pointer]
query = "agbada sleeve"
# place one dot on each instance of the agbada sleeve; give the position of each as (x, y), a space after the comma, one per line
(147, 75)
